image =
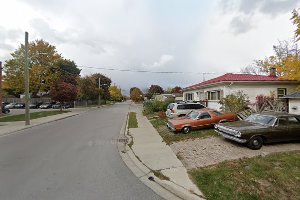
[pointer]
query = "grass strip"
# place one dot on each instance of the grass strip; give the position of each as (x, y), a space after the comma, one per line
(132, 121)
(35, 115)
(276, 176)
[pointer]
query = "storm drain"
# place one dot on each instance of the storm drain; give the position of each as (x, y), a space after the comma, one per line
(122, 140)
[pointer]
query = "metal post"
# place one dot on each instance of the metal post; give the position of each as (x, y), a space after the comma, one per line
(99, 100)
(26, 76)
(0, 88)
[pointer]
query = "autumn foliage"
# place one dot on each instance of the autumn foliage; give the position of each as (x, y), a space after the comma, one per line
(63, 92)
(136, 95)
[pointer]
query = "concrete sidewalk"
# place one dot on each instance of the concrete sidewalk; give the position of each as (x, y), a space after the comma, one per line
(12, 127)
(154, 154)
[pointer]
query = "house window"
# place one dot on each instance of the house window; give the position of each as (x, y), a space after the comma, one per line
(189, 96)
(214, 95)
(281, 92)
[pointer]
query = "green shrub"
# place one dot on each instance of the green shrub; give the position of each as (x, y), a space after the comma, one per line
(235, 102)
(156, 106)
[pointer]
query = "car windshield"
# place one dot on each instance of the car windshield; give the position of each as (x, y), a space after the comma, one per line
(261, 119)
(192, 115)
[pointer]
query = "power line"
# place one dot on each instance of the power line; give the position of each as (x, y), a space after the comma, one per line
(148, 71)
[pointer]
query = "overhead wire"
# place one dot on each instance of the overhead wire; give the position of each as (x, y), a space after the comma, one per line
(147, 71)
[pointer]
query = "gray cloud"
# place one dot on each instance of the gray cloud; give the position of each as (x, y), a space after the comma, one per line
(45, 31)
(240, 24)
(245, 10)
(9, 38)
(276, 7)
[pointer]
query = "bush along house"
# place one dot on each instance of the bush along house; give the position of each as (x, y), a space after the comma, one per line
(212, 91)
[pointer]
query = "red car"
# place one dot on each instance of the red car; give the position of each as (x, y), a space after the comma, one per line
(197, 119)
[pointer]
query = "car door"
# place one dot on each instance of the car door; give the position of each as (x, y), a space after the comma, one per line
(280, 131)
(204, 120)
(294, 128)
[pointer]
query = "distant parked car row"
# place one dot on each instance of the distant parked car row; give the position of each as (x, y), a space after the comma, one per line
(14, 105)
(254, 131)
(54, 105)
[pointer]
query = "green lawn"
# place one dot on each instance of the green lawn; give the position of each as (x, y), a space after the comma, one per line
(132, 121)
(169, 137)
(35, 115)
(275, 176)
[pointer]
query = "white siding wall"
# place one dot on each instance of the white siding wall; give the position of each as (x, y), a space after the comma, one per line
(294, 103)
(252, 90)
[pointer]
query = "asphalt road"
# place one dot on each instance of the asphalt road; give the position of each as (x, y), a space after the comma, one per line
(72, 159)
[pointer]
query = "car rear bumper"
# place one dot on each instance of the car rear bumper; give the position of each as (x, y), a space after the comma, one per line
(230, 137)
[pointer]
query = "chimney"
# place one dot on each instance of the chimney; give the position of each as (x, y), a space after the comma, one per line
(272, 72)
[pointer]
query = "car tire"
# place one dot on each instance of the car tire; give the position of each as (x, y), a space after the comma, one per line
(186, 130)
(255, 143)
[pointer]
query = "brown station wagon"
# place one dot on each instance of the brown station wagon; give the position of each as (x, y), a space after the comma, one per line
(196, 119)
(262, 128)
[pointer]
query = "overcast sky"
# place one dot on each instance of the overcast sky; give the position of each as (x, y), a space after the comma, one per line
(196, 36)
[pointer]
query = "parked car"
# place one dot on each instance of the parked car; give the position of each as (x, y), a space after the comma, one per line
(196, 119)
(259, 129)
(5, 110)
(35, 105)
(61, 105)
(10, 105)
(46, 106)
(19, 105)
(181, 109)
(57, 106)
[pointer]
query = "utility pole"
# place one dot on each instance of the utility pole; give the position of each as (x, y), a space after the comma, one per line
(99, 100)
(0, 88)
(26, 77)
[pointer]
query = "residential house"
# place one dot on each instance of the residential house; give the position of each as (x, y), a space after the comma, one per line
(211, 91)
(166, 97)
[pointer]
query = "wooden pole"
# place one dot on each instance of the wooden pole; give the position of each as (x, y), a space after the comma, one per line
(26, 77)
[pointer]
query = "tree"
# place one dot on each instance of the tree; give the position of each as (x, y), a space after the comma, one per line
(235, 102)
(285, 60)
(63, 92)
(68, 68)
(115, 93)
(253, 69)
(296, 21)
(176, 89)
(136, 94)
(154, 89)
(104, 84)
(43, 67)
(88, 89)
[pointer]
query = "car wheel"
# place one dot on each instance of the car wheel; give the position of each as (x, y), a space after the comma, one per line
(255, 143)
(186, 130)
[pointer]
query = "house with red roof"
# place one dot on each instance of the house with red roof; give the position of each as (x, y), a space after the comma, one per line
(213, 90)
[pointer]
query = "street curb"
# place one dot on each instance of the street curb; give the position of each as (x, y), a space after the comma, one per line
(35, 125)
(165, 189)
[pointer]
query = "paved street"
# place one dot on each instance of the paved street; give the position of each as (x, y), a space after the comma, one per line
(74, 158)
